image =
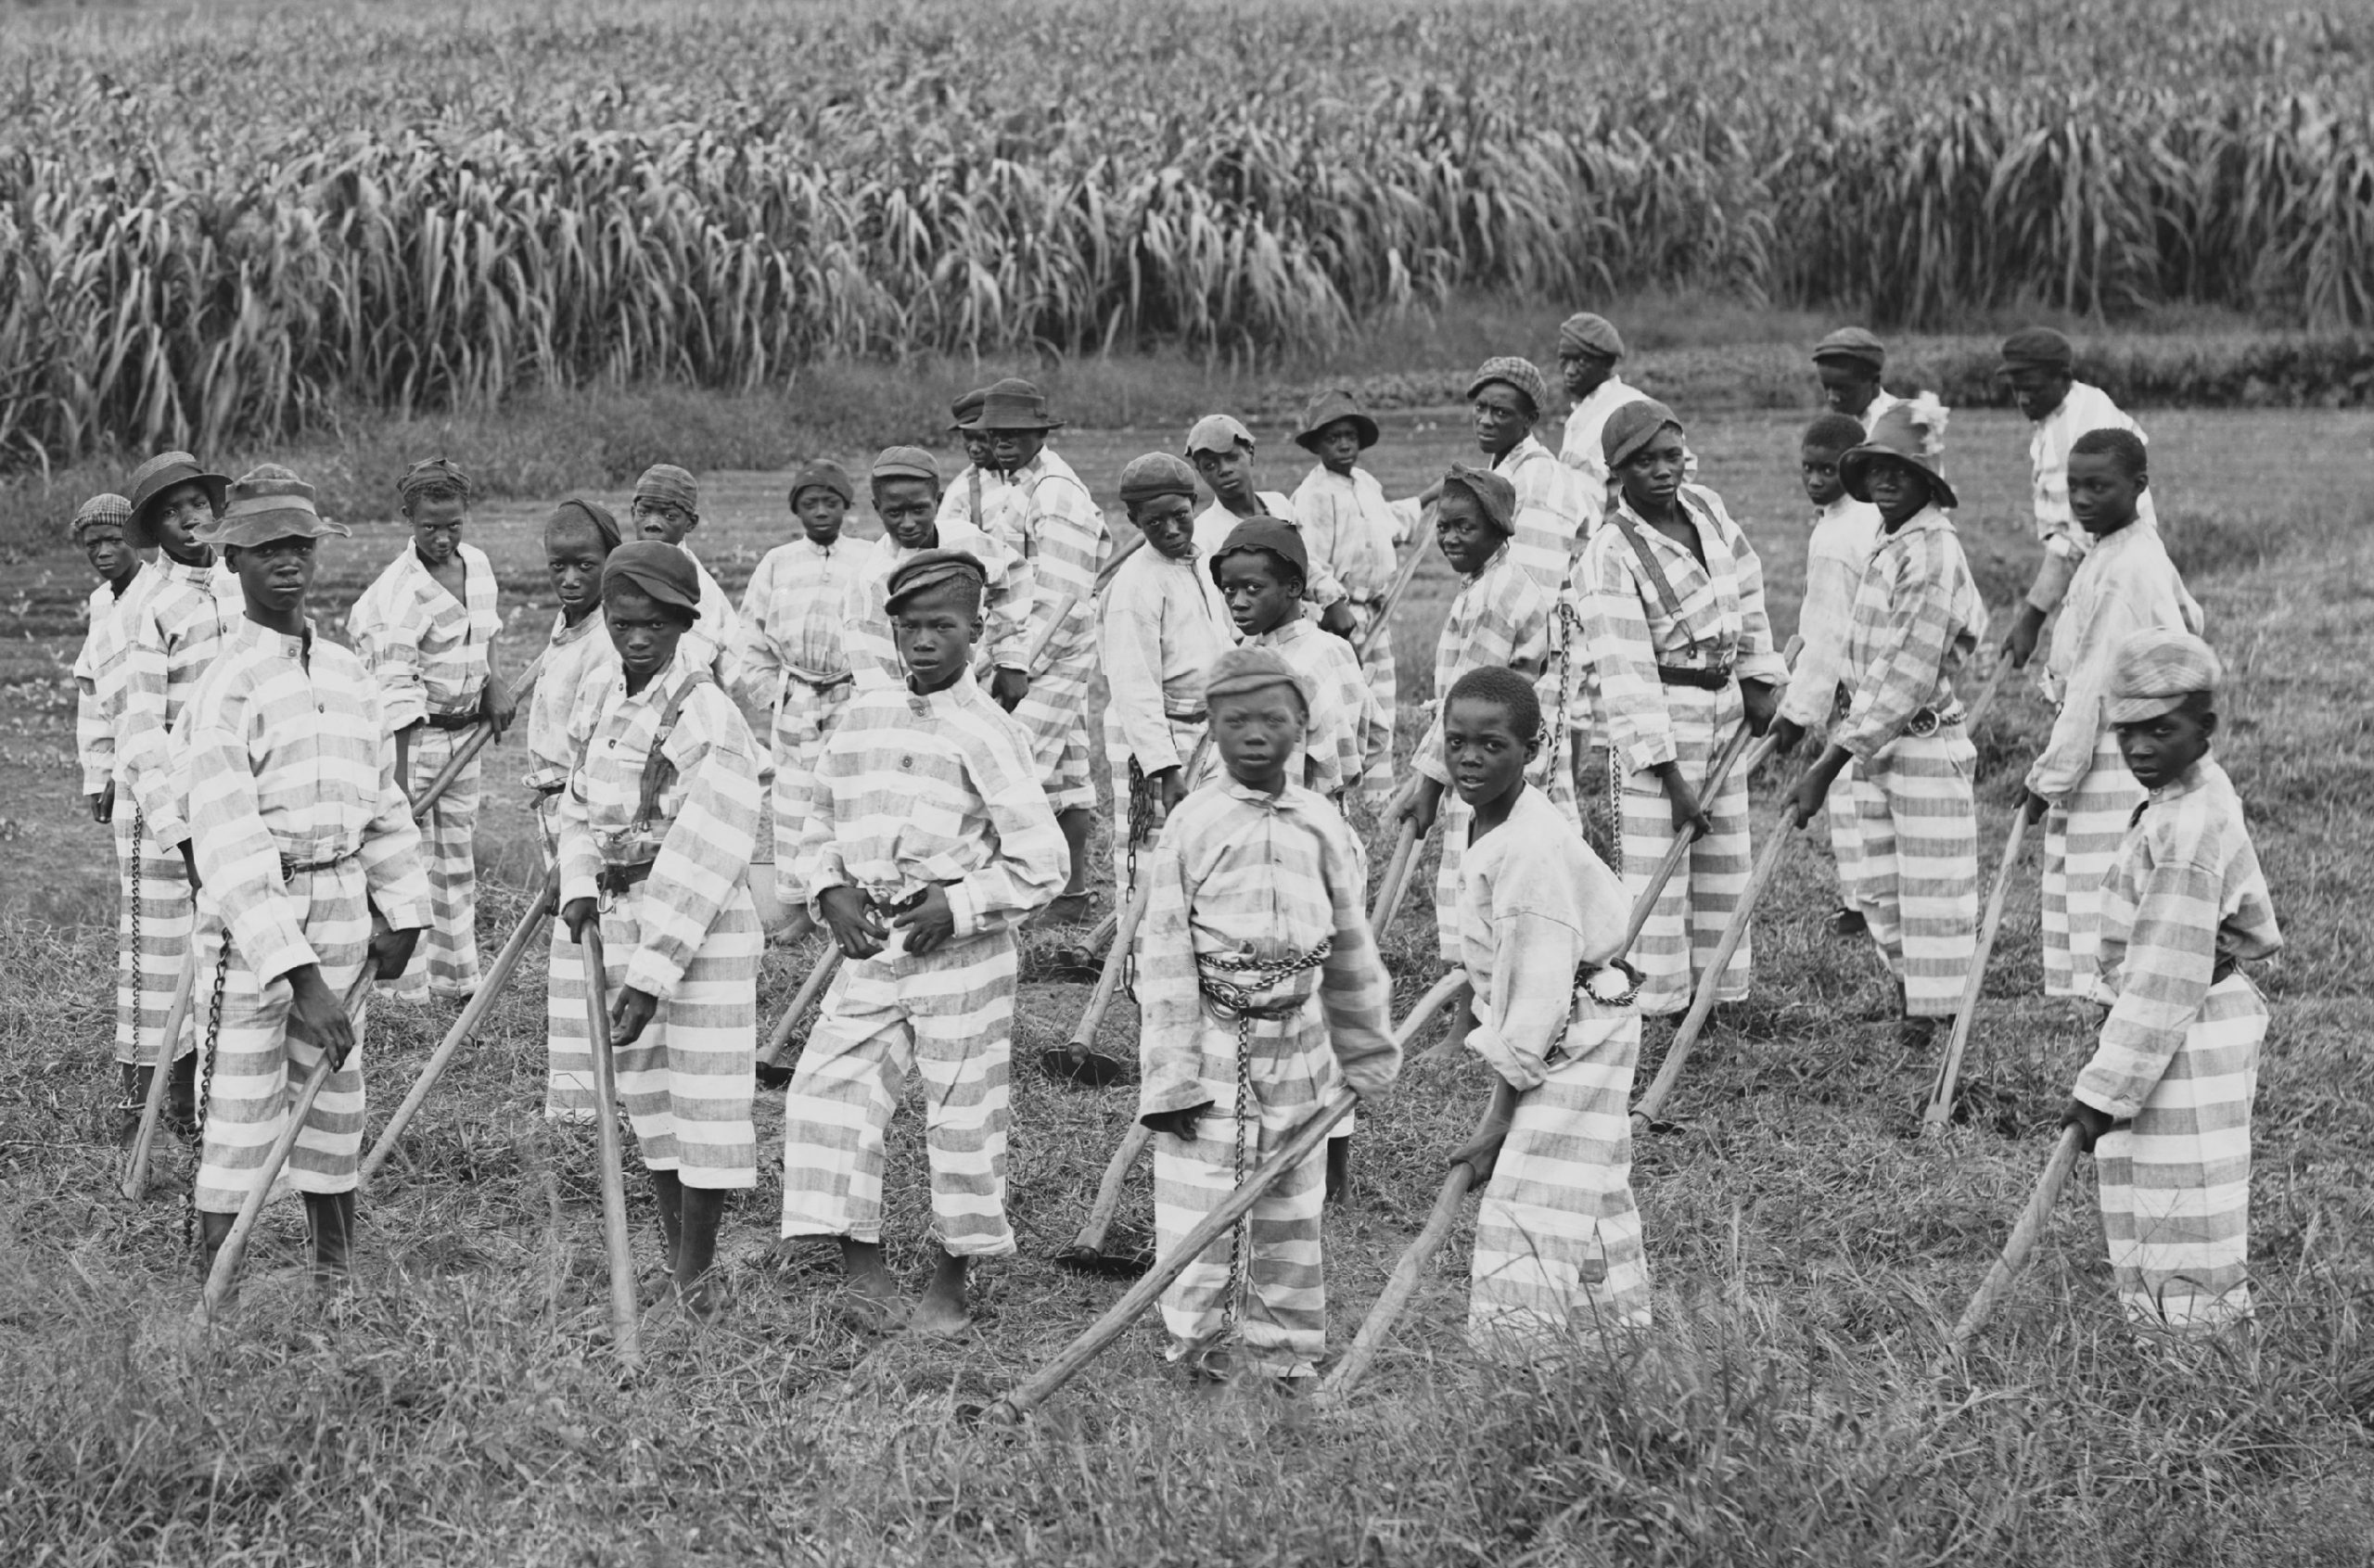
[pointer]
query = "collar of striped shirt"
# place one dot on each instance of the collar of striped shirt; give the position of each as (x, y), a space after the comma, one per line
(1284, 800)
(1927, 517)
(1500, 558)
(962, 691)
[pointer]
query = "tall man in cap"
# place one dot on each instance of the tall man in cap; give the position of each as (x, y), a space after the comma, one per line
(657, 830)
(1352, 533)
(1588, 348)
(1508, 397)
(1223, 450)
(2041, 366)
(1165, 624)
(1673, 601)
(904, 486)
(1063, 540)
(173, 622)
(928, 841)
(427, 627)
(1848, 363)
(309, 862)
(667, 506)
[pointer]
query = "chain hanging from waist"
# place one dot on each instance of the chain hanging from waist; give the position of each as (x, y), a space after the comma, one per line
(616, 876)
(1929, 719)
(817, 679)
(304, 862)
(1237, 1000)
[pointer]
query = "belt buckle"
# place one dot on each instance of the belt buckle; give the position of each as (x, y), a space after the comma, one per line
(1924, 724)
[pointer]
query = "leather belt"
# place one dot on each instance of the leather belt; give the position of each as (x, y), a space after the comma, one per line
(1929, 720)
(290, 865)
(616, 878)
(453, 721)
(1689, 675)
(2223, 970)
(1198, 717)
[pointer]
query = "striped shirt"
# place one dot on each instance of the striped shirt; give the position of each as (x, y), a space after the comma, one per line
(1350, 529)
(715, 627)
(703, 832)
(2186, 893)
(865, 619)
(1500, 617)
(1844, 534)
(1342, 709)
(1583, 448)
(426, 649)
(283, 753)
(94, 691)
(995, 509)
(2126, 584)
(2085, 408)
(1554, 512)
(1241, 873)
(1917, 617)
(790, 625)
(171, 633)
(1164, 625)
(1063, 544)
(933, 787)
(576, 658)
(1719, 621)
(1216, 522)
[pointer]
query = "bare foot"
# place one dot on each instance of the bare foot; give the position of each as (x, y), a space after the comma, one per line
(942, 1313)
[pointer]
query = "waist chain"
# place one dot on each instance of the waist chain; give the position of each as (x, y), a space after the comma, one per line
(453, 721)
(290, 865)
(1704, 680)
(620, 875)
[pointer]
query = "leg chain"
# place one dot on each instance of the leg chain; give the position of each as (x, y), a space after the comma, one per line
(206, 1078)
(139, 966)
(1240, 1233)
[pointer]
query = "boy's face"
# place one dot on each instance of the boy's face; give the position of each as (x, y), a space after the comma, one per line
(2102, 495)
(175, 513)
(1819, 466)
(1256, 733)
(1229, 473)
(1261, 596)
(909, 512)
(573, 554)
(1338, 446)
(643, 631)
(1467, 537)
(1652, 476)
(1847, 388)
(437, 527)
(1482, 750)
(2160, 751)
(662, 521)
(1168, 523)
(821, 512)
(1501, 420)
(1585, 372)
(1010, 450)
(109, 552)
(2039, 391)
(935, 632)
(274, 576)
(1897, 489)
(979, 451)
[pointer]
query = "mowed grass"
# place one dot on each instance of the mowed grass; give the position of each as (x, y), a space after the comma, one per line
(1806, 1250)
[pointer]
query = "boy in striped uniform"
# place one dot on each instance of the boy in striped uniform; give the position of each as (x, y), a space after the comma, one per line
(928, 840)
(1262, 992)
(1352, 533)
(308, 861)
(1164, 622)
(1588, 348)
(1917, 617)
(1507, 397)
(1261, 572)
(1063, 540)
(2079, 787)
(657, 830)
(1222, 450)
(667, 506)
(1540, 931)
(787, 649)
(173, 622)
(2041, 366)
(981, 496)
(905, 482)
(1845, 531)
(2165, 1104)
(1848, 365)
(1500, 617)
(1673, 602)
(426, 627)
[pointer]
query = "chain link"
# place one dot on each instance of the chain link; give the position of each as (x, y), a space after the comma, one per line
(206, 1080)
(139, 963)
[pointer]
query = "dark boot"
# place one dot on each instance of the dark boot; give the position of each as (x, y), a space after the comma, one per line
(697, 1284)
(330, 1216)
(670, 1190)
(1339, 1170)
(181, 1098)
(213, 1230)
(135, 1100)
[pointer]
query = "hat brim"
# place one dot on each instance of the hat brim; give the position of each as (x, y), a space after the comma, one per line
(1859, 358)
(1854, 472)
(1364, 427)
(136, 526)
(984, 427)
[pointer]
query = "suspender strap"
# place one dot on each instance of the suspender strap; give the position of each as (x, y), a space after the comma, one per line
(974, 484)
(1649, 563)
(657, 769)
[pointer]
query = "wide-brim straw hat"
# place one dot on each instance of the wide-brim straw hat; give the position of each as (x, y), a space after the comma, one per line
(1898, 436)
(164, 472)
(1333, 407)
(1015, 404)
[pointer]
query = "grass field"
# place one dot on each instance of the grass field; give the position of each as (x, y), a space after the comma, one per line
(1806, 1252)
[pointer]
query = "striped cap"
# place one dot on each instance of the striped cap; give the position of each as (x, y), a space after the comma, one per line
(106, 507)
(1522, 373)
(669, 486)
(1253, 670)
(2154, 671)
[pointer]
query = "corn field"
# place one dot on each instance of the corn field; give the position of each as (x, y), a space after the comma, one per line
(211, 232)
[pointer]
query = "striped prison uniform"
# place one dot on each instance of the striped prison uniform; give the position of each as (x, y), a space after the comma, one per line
(2178, 1062)
(1261, 992)
(428, 652)
(2125, 585)
(1844, 534)
(299, 832)
(1164, 625)
(791, 666)
(173, 623)
(987, 502)
(575, 658)
(709, 644)
(665, 844)
(1337, 736)
(1581, 448)
(1063, 544)
(1917, 617)
(102, 647)
(1216, 522)
(2085, 408)
(1553, 514)
(917, 789)
(1500, 617)
(1656, 663)
(1347, 523)
(873, 650)
(1558, 1246)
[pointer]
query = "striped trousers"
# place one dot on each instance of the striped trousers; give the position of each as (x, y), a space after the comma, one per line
(2175, 1181)
(1377, 779)
(801, 727)
(948, 1014)
(1280, 1303)
(1117, 761)
(1918, 867)
(1686, 924)
(153, 880)
(446, 962)
(251, 1069)
(1558, 1248)
(2081, 844)
(1845, 836)
(687, 1082)
(1055, 714)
